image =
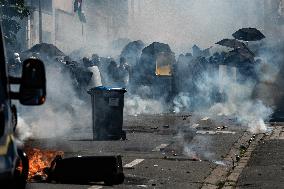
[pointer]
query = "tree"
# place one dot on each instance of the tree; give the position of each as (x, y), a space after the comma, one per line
(12, 11)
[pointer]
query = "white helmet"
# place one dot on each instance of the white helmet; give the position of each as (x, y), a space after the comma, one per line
(16, 55)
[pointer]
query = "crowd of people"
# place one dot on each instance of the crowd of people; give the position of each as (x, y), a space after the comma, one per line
(89, 72)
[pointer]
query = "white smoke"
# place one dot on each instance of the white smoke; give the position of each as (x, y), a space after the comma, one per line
(183, 23)
(135, 105)
(249, 112)
(182, 103)
(23, 131)
(62, 112)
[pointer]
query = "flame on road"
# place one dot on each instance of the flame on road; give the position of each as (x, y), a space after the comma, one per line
(39, 160)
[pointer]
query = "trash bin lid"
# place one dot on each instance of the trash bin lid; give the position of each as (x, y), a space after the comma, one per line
(104, 88)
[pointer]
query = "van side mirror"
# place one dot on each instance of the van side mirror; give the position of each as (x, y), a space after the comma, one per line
(33, 83)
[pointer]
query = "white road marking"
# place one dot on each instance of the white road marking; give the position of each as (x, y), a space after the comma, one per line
(215, 132)
(133, 163)
(160, 147)
(195, 125)
(226, 132)
(95, 187)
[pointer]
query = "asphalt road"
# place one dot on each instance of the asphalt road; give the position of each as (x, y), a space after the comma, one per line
(160, 150)
(265, 169)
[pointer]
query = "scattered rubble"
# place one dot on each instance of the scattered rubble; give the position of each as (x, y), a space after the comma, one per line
(222, 128)
(205, 119)
(166, 126)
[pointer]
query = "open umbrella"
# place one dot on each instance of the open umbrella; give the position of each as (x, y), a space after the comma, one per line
(44, 48)
(248, 34)
(232, 43)
(239, 56)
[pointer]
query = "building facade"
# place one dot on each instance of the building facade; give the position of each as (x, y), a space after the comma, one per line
(54, 21)
(273, 18)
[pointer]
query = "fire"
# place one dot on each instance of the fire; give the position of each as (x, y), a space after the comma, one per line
(39, 160)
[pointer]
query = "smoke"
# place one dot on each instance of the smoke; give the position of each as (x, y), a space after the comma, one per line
(141, 103)
(239, 104)
(270, 71)
(183, 23)
(182, 103)
(62, 112)
(136, 105)
(236, 101)
(196, 147)
(180, 23)
(23, 131)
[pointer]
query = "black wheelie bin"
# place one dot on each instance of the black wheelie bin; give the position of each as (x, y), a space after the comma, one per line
(107, 113)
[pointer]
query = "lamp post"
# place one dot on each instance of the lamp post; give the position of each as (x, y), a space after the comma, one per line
(40, 21)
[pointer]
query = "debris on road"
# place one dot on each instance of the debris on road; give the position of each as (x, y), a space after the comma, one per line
(238, 158)
(155, 127)
(222, 128)
(205, 119)
(195, 125)
(39, 161)
(221, 163)
(166, 126)
(160, 148)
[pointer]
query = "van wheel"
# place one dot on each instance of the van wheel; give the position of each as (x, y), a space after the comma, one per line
(14, 184)
(19, 181)
(21, 175)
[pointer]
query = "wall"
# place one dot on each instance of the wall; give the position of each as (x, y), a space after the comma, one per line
(106, 21)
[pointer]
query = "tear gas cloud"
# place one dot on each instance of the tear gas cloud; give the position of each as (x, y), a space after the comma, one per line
(238, 102)
(181, 24)
(135, 105)
(62, 112)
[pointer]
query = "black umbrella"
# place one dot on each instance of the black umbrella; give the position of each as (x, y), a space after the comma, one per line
(44, 48)
(232, 43)
(239, 56)
(248, 34)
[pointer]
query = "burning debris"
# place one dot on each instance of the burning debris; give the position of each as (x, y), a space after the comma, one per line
(50, 166)
(39, 163)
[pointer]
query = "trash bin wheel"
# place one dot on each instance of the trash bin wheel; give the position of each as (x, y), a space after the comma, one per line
(123, 135)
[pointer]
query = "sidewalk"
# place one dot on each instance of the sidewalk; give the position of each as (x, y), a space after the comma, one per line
(265, 168)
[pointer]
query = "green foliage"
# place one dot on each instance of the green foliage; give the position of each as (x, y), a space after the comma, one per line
(11, 12)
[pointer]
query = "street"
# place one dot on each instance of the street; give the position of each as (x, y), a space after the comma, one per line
(179, 94)
(154, 154)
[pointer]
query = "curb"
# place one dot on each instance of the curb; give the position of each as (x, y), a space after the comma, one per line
(218, 177)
